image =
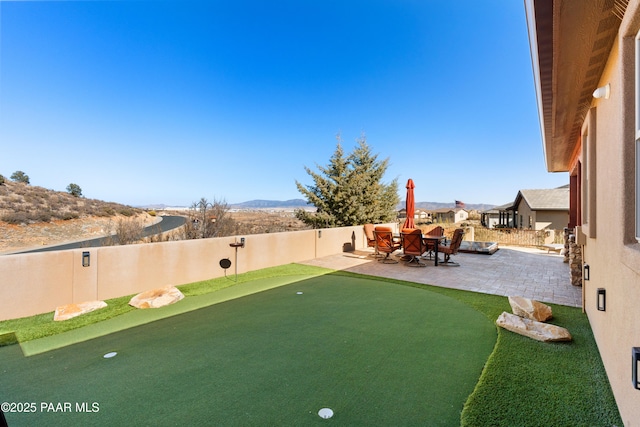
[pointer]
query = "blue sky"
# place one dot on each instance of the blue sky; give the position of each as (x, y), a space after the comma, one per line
(169, 101)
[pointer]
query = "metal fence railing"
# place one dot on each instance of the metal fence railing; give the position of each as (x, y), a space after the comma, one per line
(509, 236)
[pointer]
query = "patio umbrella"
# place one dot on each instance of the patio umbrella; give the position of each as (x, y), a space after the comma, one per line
(411, 206)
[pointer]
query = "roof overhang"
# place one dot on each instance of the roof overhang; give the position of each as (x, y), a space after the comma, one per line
(570, 42)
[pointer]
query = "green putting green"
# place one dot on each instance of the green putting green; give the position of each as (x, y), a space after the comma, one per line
(374, 352)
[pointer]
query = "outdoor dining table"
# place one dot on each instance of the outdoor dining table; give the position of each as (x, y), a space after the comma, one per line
(436, 240)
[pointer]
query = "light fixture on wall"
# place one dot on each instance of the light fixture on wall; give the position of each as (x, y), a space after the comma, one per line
(602, 299)
(635, 360)
(602, 92)
(86, 256)
(587, 271)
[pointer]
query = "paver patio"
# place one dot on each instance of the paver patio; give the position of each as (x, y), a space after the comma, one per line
(511, 271)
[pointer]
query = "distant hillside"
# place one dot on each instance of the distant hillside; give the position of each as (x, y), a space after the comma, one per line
(267, 204)
(25, 204)
(301, 203)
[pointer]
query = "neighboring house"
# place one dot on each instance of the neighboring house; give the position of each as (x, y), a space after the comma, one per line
(586, 60)
(540, 209)
(420, 215)
(501, 216)
(450, 215)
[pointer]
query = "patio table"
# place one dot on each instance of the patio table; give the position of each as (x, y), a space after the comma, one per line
(436, 240)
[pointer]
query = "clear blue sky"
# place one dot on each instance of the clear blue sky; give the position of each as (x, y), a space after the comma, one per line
(169, 101)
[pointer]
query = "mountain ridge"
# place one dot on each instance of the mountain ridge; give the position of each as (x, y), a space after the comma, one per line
(302, 204)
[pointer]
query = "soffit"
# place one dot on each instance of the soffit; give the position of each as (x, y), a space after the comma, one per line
(573, 41)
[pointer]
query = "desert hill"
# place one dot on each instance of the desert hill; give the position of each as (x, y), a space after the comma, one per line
(27, 204)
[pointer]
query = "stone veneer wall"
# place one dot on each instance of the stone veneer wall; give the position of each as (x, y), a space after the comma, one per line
(567, 233)
(575, 258)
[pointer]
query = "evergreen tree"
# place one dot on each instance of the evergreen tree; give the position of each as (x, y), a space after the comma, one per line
(350, 191)
(74, 190)
(19, 176)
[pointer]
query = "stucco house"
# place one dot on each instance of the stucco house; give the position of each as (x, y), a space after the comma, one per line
(498, 216)
(450, 215)
(586, 63)
(420, 215)
(540, 209)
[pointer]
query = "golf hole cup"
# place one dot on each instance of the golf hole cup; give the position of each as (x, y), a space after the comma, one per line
(325, 413)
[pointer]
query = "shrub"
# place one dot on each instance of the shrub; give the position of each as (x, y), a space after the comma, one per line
(42, 216)
(15, 218)
(126, 211)
(128, 231)
(69, 215)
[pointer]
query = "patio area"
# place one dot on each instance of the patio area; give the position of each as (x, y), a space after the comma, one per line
(511, 271)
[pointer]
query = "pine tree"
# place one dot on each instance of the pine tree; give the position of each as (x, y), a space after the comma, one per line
(350, 191)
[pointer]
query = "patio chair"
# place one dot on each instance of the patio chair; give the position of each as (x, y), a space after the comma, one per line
(371, 239)
(413, 247)
(385, 243)
(431, 246)
(451, 248)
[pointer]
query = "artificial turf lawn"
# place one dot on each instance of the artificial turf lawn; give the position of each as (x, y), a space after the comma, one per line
(375, 352)
(524, 382)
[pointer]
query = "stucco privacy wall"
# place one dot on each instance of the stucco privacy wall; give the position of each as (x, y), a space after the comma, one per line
(39, 282)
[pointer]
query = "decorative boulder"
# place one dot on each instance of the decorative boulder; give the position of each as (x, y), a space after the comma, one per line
(533, 329)
(69, 311)
(157, 297)
(530, 309)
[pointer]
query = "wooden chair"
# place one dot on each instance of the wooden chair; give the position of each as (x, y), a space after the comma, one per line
(452, 248)
(386, 244)
(431, 246)
(413, 247)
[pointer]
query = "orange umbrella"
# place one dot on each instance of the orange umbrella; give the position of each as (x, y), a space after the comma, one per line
(411, 206)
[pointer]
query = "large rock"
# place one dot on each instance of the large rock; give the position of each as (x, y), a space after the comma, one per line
(530, 309)
(533, 329)
(69, 311)
(157, 297)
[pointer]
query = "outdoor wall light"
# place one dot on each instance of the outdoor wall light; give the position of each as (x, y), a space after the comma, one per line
(586, 272)
(319, 233)
(602, 299)
(635, 360)
(602, 92)
(85, 259)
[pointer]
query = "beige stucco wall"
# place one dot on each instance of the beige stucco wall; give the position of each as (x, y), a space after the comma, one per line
(39, 282)
(613, 255)
(552, 220)
(541, 219)
(524, 213)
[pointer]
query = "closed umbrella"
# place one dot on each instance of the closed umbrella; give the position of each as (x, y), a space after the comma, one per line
(411, 206)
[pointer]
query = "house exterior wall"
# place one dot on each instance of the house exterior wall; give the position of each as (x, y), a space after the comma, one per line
(461, 215)
(610, 248)
(553, 220)
(526, 216)
(39, 282)
(530, 219)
